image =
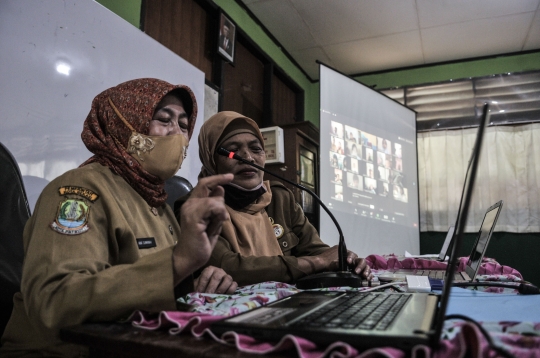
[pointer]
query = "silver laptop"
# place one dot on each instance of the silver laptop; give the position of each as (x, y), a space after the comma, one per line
(475, 258)
(362, 319)
(445, 249)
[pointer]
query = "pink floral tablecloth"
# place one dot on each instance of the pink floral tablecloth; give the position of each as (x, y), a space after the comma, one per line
(519, 339)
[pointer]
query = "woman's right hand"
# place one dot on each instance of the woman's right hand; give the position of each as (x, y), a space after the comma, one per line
(201, 219)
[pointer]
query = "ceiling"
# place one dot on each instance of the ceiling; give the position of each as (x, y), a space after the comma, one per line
(361, 36)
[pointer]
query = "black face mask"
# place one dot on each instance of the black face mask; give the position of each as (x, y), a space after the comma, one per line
(237, 198)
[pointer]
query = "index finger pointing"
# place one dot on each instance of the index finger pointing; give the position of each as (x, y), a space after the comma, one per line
(206, 186)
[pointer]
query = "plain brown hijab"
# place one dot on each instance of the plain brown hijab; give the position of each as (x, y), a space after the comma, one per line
(249, 230)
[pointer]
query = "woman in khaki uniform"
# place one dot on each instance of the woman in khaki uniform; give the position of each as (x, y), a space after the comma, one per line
(268, 237)
(101, 242)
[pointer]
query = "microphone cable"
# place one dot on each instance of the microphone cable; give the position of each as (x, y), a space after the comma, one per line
(485, 333)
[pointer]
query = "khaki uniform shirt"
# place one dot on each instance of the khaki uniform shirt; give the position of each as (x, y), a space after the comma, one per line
(94, 251)
(296, 237)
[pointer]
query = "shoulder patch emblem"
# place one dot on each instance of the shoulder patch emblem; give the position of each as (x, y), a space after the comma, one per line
(77, 190)
(72, 214)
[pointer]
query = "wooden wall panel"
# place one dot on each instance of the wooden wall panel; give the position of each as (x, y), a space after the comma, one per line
(243, 85)
(190, 31)
(284, 103)
(184, 27)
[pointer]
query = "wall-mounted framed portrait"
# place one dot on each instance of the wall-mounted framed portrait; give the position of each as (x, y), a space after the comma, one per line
(227, 37)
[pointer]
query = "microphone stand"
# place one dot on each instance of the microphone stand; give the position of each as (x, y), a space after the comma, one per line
(342, 277)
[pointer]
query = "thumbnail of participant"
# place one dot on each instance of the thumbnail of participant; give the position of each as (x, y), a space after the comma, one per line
(388, 162)
(381, 157)
(370, 185)
(369, 154)
(369, 170)
(397, 150)
(369, 140)
(353, 149)
(333, 146)
(399, 165)
(354, 165)
(400, 193)
(383, 173)
(337, 129)
(338, 192)
(353, 181)
(395, 177)
(347, 164)
(351, 134)
(336, 160)
(338, 175)
(384, 145)
(339, 145)
(383, 189)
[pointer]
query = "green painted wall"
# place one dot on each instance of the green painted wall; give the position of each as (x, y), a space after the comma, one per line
(129, 10)
(460, 70)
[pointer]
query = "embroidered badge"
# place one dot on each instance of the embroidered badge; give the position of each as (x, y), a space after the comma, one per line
(72, 214)
(77, 190)
(278, 229)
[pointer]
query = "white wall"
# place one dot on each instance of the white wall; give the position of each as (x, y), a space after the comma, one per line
(42, 110)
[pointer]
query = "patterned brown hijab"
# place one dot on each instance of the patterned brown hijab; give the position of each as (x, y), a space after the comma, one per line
(106, 135)
(249, 230)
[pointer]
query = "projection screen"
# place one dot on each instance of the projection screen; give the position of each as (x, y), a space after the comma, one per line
(368, 164)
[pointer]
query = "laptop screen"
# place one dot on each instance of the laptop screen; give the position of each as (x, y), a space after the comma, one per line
(446, 244)
(479, 248)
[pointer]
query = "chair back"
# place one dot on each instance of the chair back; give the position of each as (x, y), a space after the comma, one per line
(176, 187)
(14, 213)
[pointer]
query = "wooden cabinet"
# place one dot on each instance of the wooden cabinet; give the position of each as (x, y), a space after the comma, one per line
(301, 165)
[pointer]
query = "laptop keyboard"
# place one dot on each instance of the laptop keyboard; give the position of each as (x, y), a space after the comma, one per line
(357, 310)
(438, 274)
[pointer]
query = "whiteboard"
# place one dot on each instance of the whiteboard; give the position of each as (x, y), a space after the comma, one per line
(55, 57)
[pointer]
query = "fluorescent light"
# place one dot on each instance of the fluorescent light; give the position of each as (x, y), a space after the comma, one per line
(63, 69)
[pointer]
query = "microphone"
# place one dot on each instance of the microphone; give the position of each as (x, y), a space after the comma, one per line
(340, 278)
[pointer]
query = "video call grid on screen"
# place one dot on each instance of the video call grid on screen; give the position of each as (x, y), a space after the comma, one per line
(368, 162)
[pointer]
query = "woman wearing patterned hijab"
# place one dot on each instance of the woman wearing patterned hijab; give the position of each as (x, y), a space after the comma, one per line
(268, 237)
(101, 241)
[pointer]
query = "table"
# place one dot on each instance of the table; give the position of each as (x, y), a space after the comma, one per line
(121, 340)
(175, 333)
(507, 324)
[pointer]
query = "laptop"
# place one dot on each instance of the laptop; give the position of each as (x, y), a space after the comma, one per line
(443, 255)
(475, 258)
(446, 244)
(359, 318)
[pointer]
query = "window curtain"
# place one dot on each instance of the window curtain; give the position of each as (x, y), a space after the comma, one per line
(509, 170)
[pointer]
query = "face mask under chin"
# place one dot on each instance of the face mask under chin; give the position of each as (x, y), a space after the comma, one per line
(161, 156)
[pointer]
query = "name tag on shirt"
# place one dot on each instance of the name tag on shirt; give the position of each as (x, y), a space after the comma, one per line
(146, 243)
